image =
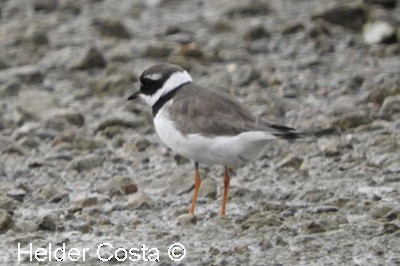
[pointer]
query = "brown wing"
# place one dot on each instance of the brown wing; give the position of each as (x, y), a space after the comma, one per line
(214, 113)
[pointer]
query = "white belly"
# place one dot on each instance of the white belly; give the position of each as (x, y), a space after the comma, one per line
(225, 150)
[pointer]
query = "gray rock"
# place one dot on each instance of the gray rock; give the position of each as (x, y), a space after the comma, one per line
(91, 58)
(45, 6)
(85, 163)
(351, 120)
(86, 201)
(291, 161)
(120, 185)
(48, 223)
(140, 201)
(36, 103)
(111, 28)
(380, 210)
(10, 88)
(113, 85)
(292, 27)
(244, 76)
(252, 8)
(69, 116)
(5, 220)
(379, 32)
(29, 74)
(342, 105)
(348, 16)
(256, 33)
(330, 147)
(208, 188)
(385, 3)
(158, 50)
(187, 219)
(122, 119)
(390, 106)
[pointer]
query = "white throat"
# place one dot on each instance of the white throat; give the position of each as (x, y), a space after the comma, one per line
(174, 81)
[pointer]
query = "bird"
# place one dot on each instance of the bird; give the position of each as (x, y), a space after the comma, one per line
(204, 125)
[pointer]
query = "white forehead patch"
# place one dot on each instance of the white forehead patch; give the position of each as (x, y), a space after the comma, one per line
(154, 76)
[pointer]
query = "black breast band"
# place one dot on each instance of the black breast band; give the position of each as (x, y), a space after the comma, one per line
(165, 98)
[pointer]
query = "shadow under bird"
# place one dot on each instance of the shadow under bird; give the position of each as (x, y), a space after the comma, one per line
(204, 125)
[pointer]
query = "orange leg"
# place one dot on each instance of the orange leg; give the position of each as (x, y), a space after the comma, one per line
(226, 190)
(197, 183)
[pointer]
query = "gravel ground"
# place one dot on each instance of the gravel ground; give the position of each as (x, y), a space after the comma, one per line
(81, 166)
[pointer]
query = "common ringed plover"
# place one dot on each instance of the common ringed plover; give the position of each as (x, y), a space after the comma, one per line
(204, 125)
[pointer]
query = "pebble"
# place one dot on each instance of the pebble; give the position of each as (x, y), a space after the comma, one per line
(68, 116)
(330, 147)
(379, 32)
(351, 120)
(85, 163)
(390, 106)
(187, 218)
(115, 84)
(208, 188)
(110, 27)
(47, 223)
(122, 119)
(120, 185)
(251, 8)
(140, 201)
(244, 75)
(256, 33)
(348, 16)
(36, 103)
(5, 220)
(89, 59)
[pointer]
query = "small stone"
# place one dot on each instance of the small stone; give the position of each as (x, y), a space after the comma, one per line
(390, 106)
(292, 27)
(85, 163)
(158, 51)
(256, 33)
(390, 228)
(45, 6)
(17, 194)
(114, 85)
(37, 36)
(87, 201)
(208, 188)
(393, 214)
(142, 144)
(348, 16)
(48, 191)
(244, 76)
(140, 201)
(35, 103)
(84, 143)
(342, 105)
(29, 74)
(123, 119)
(241, 249)
(291, 161)
(390, 4)
(351, 120)
(91, 58)
(120, 185)
(68, 116)
(379, 32)
(5, 220)
(330, 147)
(380, 210)
(187, 218)
(191, 50)
(9, 89)
(47, 223)
(251, 8)
(111, 28)
(29, 142)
